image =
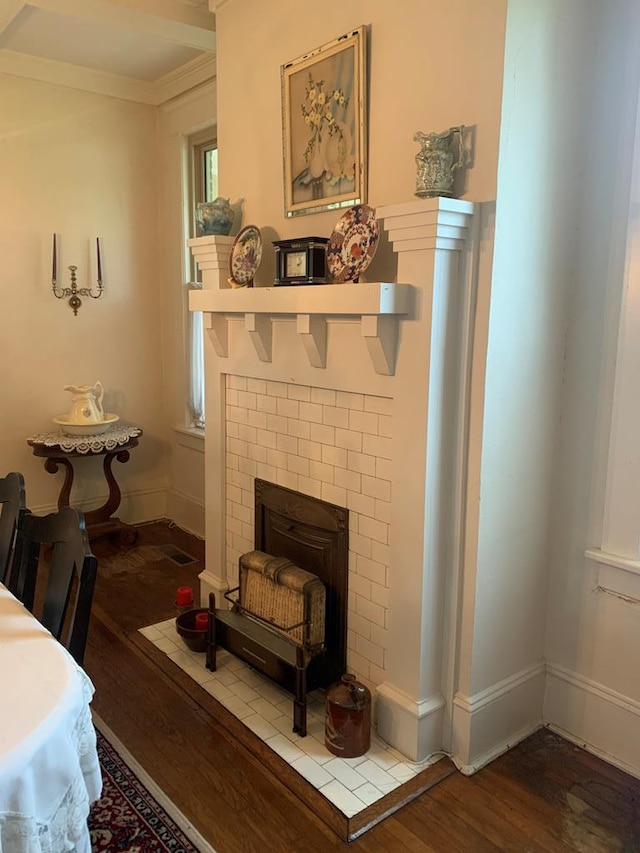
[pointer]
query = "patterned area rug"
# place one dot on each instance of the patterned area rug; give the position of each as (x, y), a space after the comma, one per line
(135, 816)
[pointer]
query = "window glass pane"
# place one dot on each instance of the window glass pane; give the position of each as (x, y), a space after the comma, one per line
(211, 174)
(203, 170)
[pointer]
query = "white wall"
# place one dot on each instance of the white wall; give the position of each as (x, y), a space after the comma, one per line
(81, 165)
(504, 595)
(432, 65)
(593, 685)
(544, 420)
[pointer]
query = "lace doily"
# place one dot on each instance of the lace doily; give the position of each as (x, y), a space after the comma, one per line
(113, 438)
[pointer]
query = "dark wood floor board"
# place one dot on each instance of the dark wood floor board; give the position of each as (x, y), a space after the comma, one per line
(580, 786)
(142, 593)
(444, 828)
(406, 793)
(392, 835)
(507, 827)
(543, 795)
(553, 814)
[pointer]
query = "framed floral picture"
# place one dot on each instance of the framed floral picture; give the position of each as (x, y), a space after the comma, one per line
(324, 133)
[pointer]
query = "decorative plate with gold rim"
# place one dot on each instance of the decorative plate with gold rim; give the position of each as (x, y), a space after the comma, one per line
(353, 243)
(246, 254)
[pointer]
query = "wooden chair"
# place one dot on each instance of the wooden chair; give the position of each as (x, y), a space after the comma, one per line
(56, 547)
(12, 509)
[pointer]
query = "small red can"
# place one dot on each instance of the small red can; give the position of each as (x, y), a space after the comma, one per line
(347, 730)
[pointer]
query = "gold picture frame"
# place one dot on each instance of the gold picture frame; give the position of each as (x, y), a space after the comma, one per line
(324, 130)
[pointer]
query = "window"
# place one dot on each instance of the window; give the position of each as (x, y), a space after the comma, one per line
(621, 530)
(203, 170)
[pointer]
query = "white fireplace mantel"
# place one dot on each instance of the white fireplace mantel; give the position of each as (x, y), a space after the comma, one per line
(377, 306)
(403, 486)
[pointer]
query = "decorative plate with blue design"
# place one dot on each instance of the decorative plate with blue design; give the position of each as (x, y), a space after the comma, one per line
(353, 243)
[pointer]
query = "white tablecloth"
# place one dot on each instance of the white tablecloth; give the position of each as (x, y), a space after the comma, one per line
(49, 769)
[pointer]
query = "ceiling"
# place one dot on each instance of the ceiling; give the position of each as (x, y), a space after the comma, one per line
(143, 47)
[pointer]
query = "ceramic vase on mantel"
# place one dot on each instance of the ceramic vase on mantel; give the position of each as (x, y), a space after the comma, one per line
(436, 162)
(214, 217)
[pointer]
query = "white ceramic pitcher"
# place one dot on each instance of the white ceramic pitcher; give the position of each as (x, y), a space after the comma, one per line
(86, 403)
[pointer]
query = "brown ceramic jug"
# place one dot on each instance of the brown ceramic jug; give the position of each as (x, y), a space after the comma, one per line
(347, 730)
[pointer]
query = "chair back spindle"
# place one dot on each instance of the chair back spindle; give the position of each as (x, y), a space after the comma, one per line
(12, 509)
(59, 539)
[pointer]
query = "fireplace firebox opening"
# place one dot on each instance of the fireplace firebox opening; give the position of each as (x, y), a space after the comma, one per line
(313, 534)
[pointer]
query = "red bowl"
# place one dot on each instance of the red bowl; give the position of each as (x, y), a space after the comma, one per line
(195, 639)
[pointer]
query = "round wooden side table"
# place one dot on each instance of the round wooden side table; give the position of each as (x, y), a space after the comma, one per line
(59, 449)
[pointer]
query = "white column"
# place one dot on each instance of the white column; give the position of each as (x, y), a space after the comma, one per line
(212, 256)
(429, 237)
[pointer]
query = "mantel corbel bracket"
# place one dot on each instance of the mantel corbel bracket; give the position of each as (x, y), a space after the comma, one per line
(259, 328)
(218, 324)
(380, 332)
(313, 333)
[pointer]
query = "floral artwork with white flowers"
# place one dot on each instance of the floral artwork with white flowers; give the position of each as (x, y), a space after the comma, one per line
(324, 132)
(329, 152)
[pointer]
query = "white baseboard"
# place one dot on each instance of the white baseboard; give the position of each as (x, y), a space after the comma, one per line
(413, 728)
(187, 512)
(136, 507)
(211, 583)
(597, 718)
(492, 721)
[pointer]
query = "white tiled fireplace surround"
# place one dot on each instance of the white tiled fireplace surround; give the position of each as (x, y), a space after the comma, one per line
(355, 394)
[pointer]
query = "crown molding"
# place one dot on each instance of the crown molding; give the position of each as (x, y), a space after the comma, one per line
(75, 77)
(189, 76)
(193, 74)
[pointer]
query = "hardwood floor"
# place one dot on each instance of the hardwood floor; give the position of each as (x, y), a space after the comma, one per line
(543, 795)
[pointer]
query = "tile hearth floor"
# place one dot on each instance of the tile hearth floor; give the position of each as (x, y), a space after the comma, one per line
(351, 784)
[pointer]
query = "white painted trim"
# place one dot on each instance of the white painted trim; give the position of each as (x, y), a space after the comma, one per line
(187, 512)
(419, 708)
(195, 73)
(193, 438)
(136, 507)
(412, 727)
(332, 300)
(589, 713)
(496, 691)
(376, 304)
(200, 70)
(175, 110)
(209, 582)
(496, 751)
(453, 592)
(616, 575)
(613, 560)
(491, 721)
(581, 682)
(75, 77)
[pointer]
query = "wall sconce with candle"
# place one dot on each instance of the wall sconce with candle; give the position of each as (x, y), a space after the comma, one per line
(74, 292)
